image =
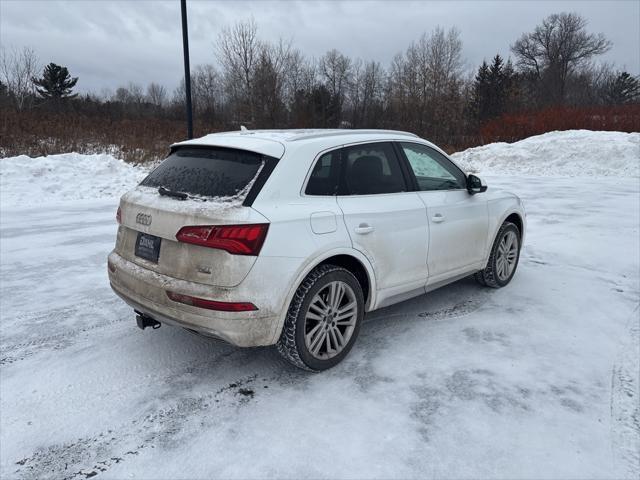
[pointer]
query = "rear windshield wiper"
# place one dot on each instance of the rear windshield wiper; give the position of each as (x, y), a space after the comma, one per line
(172, 193)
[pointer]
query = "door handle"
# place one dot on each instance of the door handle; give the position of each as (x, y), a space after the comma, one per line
(437, 218)
(363, 229)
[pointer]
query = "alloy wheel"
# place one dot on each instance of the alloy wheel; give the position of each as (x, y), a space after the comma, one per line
(507, 256)
(330, 320)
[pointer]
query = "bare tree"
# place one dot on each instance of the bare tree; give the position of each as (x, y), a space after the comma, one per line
(556, 48)
(238, 49)
(207, 89)
(588, 85)
(336, 70)
(354, 89)
(372, 93)
(425, 80)
(121, 95)
(17, 68)
(300, 75)
(398, 89)
(136, 93)
(156, 94)
(443, 55)
(207, 94)
(270, 83)
(301, 80)
(106, 94)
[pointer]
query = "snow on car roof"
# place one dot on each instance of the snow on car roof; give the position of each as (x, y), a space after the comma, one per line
(272, 142)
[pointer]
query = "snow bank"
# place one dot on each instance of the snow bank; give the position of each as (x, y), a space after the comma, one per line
(569, 153)
(73, 176)
(69, 176)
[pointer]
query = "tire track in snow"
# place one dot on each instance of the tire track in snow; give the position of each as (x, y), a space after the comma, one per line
(138, 376)
(475, 299)
(89, 456)
(67, 337)
(625, 401)
(373, 338)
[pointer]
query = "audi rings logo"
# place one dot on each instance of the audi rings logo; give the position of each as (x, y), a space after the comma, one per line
(143, 219)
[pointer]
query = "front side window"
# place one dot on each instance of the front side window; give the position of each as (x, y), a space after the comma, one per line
(371, 169)
(433, 170)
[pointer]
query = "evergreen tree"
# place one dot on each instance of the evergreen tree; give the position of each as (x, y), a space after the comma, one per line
(624, 88)
(492, 88)
(56, 82)
(496, 87)
(480, 101)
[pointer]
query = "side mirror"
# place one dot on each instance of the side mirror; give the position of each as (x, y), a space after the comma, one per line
(475, 184)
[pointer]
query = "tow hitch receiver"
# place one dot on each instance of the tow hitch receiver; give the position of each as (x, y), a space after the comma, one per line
(145, 321)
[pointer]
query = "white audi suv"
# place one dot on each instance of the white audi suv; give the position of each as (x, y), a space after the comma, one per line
(289, 237)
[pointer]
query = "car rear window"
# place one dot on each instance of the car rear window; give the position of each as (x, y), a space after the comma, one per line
(209, 172)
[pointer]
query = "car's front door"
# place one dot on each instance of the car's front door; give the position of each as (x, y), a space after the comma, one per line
(458, 221)
(386, 222)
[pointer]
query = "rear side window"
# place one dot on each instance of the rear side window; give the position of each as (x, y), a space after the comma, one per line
(372, 169)
(325, 174)
(209, 172)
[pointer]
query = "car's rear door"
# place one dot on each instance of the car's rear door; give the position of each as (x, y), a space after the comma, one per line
(385, 221)
(458, 221)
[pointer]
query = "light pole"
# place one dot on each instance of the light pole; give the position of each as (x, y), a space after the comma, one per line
(187, 70)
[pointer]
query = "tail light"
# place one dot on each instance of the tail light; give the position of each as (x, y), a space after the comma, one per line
(235, 239)
(212, 304)
(119, 216)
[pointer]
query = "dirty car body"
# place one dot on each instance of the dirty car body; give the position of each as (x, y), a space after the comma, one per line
(221, 237)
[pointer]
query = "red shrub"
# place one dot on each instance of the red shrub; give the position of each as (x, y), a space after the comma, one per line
(516, 126)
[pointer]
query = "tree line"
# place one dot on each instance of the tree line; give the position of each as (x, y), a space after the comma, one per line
(425, 88)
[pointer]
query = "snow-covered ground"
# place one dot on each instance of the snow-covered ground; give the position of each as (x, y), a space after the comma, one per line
(536, 380)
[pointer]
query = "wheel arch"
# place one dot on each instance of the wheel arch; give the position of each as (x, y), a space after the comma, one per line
(348, 258)
(514, 216)
(356, 267)
(516, 219)
(345, 257)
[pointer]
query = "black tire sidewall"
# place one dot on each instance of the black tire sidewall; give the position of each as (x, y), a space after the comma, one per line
(306, 357)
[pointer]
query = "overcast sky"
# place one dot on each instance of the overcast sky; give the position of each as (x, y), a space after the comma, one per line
(109, 43)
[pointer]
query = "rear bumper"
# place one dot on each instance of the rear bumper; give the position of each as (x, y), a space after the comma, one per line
(145, 291)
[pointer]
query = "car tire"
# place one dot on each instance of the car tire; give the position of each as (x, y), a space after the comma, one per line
(504, 258)
(317, 320)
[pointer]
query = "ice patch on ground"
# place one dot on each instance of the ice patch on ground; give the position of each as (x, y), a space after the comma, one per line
(569, 153)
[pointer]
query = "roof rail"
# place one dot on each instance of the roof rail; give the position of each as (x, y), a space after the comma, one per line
(331, 133)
